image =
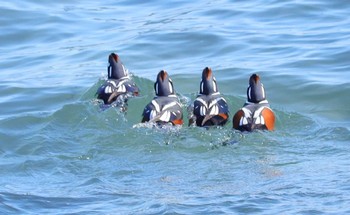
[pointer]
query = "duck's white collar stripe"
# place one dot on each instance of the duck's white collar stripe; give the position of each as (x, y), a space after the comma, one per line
(262, 102)
(217, 93)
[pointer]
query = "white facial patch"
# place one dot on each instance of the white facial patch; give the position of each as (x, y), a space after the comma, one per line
(215, 85)
(249, 93)
(263, 90)
(156, 88)
(170, 87)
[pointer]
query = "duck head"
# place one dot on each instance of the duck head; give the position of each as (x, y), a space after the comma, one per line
(116, 69)
(164, 85)
(255, 90)
(208, 84)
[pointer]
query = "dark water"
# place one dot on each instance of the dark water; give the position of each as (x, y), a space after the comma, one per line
(60, 154)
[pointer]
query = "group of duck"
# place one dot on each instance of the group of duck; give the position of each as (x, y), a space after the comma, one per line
(208, 109)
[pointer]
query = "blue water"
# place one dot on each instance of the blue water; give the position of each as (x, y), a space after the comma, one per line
(61, 154)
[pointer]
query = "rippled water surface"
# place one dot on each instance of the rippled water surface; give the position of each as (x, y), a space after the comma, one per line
(61, 154)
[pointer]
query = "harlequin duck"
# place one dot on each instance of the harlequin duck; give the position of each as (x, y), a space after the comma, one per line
(119, 85)
(256, 112)
(209, 108)
(165, 107)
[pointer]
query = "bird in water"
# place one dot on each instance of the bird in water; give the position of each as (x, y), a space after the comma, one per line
(256, 112)
(119, 86)
(209, 108)
(165, 107)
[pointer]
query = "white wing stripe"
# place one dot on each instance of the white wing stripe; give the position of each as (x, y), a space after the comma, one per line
(152, 114)
(203, 102)
(156, 105)
(214, 110)
(165, 116)
(262, 120)
(203, 110)
(171, 104)
(247, 112)
(258, 112)
(108, 89)
(245, 121)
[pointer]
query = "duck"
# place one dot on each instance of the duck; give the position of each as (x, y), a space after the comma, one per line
(210, 107)
(256, 113)
(119, 86)
(165, 107)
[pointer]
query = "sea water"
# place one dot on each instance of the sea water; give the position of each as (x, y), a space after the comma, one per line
(60, 153)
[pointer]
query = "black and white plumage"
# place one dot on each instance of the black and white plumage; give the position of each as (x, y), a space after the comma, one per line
(256, 112)
(165, 107)
(209, 108)
(118, 85)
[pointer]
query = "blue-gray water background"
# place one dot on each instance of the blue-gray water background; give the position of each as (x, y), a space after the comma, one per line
(60, 154)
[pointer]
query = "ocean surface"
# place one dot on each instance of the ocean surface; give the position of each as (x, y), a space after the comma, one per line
(60, 153)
